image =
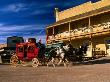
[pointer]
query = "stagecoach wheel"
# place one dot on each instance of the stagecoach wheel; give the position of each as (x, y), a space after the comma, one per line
(12, 52)
(14, 60)
(35, 62)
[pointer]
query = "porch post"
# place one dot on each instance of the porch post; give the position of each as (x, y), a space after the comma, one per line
(0, 56)
(89, 51)
(69, 32)
(46, 36)
(53, 31)
(53, 35)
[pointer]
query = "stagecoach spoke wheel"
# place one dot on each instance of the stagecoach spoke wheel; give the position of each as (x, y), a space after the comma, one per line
(14, 60)
(35, 62)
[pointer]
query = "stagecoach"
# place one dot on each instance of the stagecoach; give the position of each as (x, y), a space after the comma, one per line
(25, 52)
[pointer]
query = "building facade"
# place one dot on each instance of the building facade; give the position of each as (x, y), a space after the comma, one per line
(86, 23)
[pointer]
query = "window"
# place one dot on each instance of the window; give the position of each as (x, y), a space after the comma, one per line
(30, 49)
(20, 49)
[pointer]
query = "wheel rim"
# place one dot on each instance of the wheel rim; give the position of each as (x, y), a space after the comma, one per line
(14, 60)
(35, 62)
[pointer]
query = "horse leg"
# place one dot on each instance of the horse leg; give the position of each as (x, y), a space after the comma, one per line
(65, 65)
(59, 62)
(53, 62)
(47, 64)
(62, 59)
(67, 60)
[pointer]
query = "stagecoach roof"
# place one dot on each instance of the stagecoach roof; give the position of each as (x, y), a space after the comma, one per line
(81, 16)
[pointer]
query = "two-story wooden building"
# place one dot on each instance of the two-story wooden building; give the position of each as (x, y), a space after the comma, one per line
(85, 23)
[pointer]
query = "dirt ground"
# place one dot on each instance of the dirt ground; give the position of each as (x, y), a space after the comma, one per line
(93, 71)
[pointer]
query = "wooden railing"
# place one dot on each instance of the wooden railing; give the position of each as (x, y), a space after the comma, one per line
(81, 31)
(98, 54)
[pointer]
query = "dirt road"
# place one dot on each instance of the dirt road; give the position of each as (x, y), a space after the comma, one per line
(94, 72)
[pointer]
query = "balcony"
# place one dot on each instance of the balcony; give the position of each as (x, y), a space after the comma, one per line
(102, 28)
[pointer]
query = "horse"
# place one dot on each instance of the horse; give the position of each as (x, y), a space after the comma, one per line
(51, 56)
(67, 54)
(75, 54)
(62, 53)
(71, 52)
(80, 52)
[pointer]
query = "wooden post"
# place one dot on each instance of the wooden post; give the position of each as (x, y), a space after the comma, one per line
(0, 59)
(89, 52)
(53, 35)
(69, 32)
(0, 55)
(46, 36)
(53, 31)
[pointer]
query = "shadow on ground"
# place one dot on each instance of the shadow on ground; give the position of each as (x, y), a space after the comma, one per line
(97, 61)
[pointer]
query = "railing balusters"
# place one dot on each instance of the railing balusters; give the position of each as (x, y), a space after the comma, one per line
(80, 31)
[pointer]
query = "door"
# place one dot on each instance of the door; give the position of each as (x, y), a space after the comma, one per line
(107, 42)
(108, 49)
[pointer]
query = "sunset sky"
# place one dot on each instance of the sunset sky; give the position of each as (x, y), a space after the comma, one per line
(29, 18)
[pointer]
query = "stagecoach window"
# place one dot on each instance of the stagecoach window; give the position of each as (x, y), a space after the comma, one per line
(30, 49)
(15, 41)
(20, 49)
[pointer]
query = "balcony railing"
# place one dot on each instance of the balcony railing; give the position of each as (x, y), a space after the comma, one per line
(81, 31)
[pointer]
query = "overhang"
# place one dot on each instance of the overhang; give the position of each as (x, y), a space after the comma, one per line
(81, 16)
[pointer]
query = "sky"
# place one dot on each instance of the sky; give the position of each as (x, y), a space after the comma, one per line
(29, 18)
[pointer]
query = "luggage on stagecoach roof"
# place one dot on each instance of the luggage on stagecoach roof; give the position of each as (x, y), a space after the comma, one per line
(32, 40)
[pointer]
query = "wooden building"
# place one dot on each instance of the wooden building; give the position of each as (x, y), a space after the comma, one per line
(85, 23)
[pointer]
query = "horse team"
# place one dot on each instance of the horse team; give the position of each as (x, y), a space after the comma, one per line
(67, 53)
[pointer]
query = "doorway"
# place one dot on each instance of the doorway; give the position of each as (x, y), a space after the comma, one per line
(107, 42)
(108, 49)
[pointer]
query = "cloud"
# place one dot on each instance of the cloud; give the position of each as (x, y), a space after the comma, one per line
(14, 8)
(37, 12)
(3, 39)
(21, 28)
(1, 24)
(42, 37)
(26, 31)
